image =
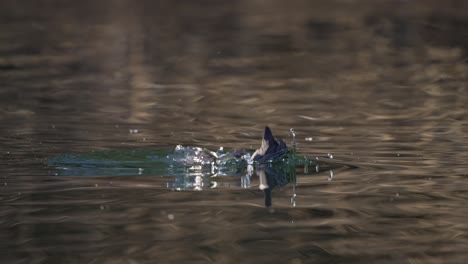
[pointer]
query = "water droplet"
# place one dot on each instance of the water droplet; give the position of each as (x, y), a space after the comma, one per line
(293, 133)
(330, 177)
(170, 216)
(96, 185)
(101, 207)
(398, 154)
(5, 183)
(308, 139)
(133, 131)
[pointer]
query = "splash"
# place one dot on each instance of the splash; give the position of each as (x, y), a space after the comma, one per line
(195, 168)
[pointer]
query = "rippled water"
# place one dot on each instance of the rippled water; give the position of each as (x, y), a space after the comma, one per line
(380, 85)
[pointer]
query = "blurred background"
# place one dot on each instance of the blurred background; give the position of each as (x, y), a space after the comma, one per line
(381, 85)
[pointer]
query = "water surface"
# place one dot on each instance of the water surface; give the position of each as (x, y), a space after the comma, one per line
(381, 85)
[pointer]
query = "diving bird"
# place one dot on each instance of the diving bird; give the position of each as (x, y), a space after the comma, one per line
(270, 148)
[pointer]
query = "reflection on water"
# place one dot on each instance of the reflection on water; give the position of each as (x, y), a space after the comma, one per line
(271, 176)
(380, 85)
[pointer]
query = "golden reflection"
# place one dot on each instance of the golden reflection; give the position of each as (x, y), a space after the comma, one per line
(380, 84)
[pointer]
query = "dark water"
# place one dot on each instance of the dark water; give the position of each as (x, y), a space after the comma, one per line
(381, 85)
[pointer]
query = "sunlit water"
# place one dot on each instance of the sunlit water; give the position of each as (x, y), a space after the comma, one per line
(379, 85)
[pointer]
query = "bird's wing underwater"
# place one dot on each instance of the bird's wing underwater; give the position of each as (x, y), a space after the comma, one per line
(270, 148)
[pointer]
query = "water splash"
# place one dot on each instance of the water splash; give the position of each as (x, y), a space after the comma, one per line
(195, 168)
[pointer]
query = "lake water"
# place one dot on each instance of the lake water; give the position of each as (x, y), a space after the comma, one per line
(380, 85)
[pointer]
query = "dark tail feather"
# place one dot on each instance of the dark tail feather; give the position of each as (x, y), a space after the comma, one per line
(268, 136)
(274, 149)
(272, 144)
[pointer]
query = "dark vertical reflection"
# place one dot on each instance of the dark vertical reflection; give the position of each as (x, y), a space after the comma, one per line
(276, 176)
